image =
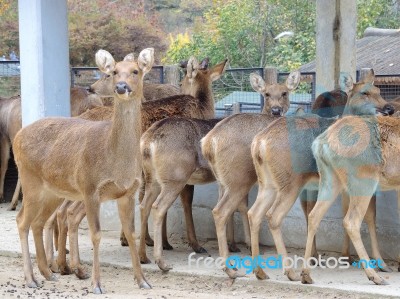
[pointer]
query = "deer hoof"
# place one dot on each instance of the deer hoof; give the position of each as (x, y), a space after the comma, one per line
(378, 280)
(232, 273)
(149, 242)
(53, 277)
(145, 260)
(292, 276)
(167, 246)
(32, 284)
(260, 274)
(11, 208)
(163, 266)
(98, 290)
(124, 241)
(199, 249)
(305, 277)
(65, 270)
(81, 273)
(385, 268)
(144, 285)
(233, 248)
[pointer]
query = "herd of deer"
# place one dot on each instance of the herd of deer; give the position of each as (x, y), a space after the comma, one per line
(162, 140)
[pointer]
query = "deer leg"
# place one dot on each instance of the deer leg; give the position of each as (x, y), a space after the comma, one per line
(187, 200)
(93, 214)
(284, 201)
(352, 222)
(48, 206)
(24, 220)
(370, 219)
(166, 245)
(346, 241)
(62, 237)
(4, 157)
(75, 213)
(265, 197)
(169, 193)
(14, 201)
(49, 248)
(329, 189)
(243, 209)
(222, 212)
(150, 196)
(308, 199)
(230, 231)
(398, 214)
(126, 209)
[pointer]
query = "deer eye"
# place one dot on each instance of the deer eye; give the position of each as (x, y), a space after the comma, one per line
(136, 72)
(365, 93)
(114, 73)
(284, 94)
(267, 95)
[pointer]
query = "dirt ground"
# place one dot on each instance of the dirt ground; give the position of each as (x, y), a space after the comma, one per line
(182, 281)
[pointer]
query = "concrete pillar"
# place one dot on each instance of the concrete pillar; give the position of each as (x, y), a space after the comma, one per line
(171, 75)
(44, 55)
(336, 42)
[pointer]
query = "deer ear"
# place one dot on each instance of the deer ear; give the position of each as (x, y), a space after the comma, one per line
(346, 82)
(369, 77)
(105, 61)
(257, 82)
(192, 68)
(293, 80)
(146, 60)
(130, 57)
(218, 70)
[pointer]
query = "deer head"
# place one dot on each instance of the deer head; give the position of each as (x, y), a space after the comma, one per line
(199, 75)
(276, 96)
(364, 97)
(126, 76)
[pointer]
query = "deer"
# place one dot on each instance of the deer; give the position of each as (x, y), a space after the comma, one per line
(356, 163)
(198, 104)
(151, 91)
(84, 160)
(284, 165)
(166, 177)
(227, 149)
(11, 123)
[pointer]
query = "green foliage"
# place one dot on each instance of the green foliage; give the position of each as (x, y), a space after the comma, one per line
(9, 28)
(377, 13)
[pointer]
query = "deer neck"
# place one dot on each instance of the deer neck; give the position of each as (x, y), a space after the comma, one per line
(126, 127)
(206, 99)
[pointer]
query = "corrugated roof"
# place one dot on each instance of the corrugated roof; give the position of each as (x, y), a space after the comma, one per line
(381, 53)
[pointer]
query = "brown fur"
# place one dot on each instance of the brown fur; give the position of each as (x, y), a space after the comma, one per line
(284, 164)
(200, 104)
(227, 149)
(83, 160)
(172, 159)
(373, 158)
(11, 123)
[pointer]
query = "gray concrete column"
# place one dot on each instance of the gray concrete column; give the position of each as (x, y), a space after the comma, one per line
(44, 56)
(336, 42)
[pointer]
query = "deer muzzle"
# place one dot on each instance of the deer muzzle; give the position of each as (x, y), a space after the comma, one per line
(122, 87)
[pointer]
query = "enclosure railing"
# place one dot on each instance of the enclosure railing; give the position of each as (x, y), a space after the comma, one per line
(233, 92)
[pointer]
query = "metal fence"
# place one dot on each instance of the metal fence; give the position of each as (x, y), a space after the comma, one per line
(389, 86)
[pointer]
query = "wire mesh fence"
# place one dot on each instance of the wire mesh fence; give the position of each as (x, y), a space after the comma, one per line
(9, 78)
(389, 86)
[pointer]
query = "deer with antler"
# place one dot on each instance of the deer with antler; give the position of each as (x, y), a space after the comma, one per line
(285, 165)
(227, 150)
(83, 160)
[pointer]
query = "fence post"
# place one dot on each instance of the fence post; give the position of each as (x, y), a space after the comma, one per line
(270, 75)
(172, 75)
(236, 108)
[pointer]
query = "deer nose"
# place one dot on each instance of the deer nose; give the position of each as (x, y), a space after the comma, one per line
(389, 109)
(121, 88)
(276, 110)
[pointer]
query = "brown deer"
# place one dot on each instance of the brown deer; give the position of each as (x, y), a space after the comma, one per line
(355, 162)
(83, 160)
(284, 164)
(11, 123)
(227, 149)
(165, 177)
(198, 104)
